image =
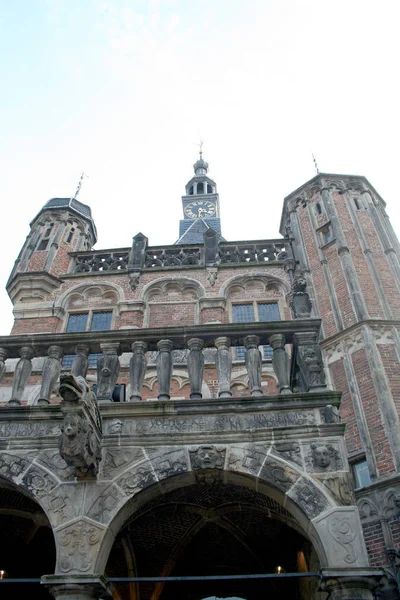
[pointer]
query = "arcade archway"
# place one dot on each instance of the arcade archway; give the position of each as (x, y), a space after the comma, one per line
(27, 548)
(215, 529)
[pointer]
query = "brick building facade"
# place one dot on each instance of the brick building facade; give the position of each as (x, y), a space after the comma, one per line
(209, 408)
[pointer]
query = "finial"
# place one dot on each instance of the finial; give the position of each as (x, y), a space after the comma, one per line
(78, 187)
(200, 145)
(315, 164)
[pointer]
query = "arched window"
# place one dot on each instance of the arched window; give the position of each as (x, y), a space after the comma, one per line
(209, 189)
(200, 188)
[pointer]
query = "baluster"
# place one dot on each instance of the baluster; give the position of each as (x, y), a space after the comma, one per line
(253, 363)
(80, 365)
(137, 365)
(281, 362)
(223, 362)
(164, 368)
(3, 358)
(50, 373)
(107, 371)
(21, 375)
(195, 363)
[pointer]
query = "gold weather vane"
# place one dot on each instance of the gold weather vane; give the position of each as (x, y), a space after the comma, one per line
(315, 164)
(200, 146)
(78, 187)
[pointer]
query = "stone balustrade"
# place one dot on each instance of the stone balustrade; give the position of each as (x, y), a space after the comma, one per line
(303, 371)
(161, 257)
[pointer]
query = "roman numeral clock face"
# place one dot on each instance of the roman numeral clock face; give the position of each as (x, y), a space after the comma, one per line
(199, 209)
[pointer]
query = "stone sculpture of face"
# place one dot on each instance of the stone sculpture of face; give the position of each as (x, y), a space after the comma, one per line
(207, 457)
(322, 456)
(71, 427)
(115, 426)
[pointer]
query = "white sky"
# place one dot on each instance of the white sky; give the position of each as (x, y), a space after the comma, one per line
(124, 89)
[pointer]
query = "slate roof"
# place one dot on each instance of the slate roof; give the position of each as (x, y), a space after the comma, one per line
(191, 232)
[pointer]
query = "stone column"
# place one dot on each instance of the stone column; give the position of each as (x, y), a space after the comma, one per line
(350, 583)
(50, 373)
(3, 358)
(80, 365)
(309, 361)
(195, 364)
(77, 587)
(137, 366)
(253, 363)
(280, 362)
(164, 368)
(21, 374)
(223, 362)
(107, 371)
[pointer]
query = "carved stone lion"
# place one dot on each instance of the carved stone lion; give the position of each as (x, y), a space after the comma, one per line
(78, 445)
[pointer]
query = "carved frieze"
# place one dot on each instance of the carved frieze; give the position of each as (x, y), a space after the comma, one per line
(105, 505)
(78, 547)
(116, 460)
(54, 462)
(278, 474)
(34, 430)
(308, 497)
(13, 465)
(167, 462)
(137, 479)
(38, 482)
(289, 451)
(247, 458)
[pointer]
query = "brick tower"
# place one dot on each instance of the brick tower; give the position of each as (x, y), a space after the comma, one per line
(346, 248)
(62, 226)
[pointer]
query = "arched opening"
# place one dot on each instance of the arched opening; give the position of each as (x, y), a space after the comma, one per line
(209, 189)
(200, 188)
(212, 528)
(27, 548)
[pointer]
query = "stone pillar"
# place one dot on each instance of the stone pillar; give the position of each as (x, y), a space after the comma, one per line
(21, 374)
(80, 365)
(309, 360)
(253, 363)
(3, 358)
(195, 364)
(280, 362)
(350, 583)
(50, 373)
(137, 366)
(164, 368)
(107, 371)
(223, 362)
(77, 587)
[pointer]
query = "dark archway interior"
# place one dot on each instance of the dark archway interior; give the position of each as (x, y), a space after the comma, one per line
(27, 548)
(211, 529)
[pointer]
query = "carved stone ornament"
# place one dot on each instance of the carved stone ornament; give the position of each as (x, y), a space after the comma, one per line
(134, 279)
(340, 488)
(300, 302)
(323, 457)
(310, 362)
(212, 275)
(208, 458)
(289, 451)
(309, 498)
(342, 532)
(79, 446)
(78, 547)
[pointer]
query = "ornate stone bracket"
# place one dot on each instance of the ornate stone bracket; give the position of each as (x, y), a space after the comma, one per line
(309, 361)
(81, 430)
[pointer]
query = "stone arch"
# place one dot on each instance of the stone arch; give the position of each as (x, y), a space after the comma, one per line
(139, 478)
(110, 295)
(268, 285)
(172, 299)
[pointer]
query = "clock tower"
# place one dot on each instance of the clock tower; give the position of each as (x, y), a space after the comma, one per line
(200, 206)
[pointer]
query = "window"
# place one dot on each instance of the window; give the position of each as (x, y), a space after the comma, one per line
(255, 311)
(357, 203)
(327, 235)
(87, 321)
(70, 235)
(361, 473)
(42, 245)
(319, 209)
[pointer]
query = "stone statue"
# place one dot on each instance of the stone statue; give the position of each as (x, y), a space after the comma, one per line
(79, 446)
(300, 302)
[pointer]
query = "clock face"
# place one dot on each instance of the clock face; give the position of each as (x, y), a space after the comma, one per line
(200, 209)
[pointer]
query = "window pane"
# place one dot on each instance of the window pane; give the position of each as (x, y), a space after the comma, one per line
(101, 321)
(68, 360)
(267, 352)
(361, 473)
(92, 360)
(242, 313)
(77, 322)
(268, 311)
